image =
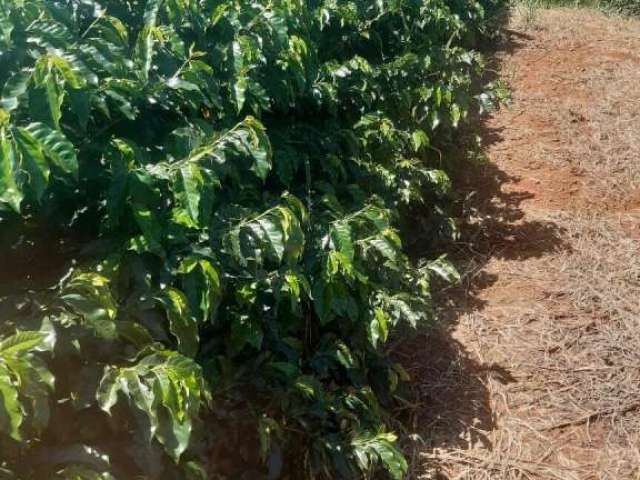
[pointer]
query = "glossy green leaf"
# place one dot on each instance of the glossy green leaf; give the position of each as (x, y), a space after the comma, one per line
(445, 270)
(378, 331)
(202, 285)
(150, 227)
(50, 91)
(146, 38)
(240, 92)
(33, 162)
(56, 147)
(15, 89)
(182, 323)
(25, 381)
(23, 342)
(342, 237)
(271, 233)
(10, 193)
(420, 140)
(11, 415)
(384, 247)
(192, 183)
(260, 148)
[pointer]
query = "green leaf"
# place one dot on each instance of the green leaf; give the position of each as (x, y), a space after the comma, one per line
(192, 184)
(6, 28)
(23, 342)
(194, 471)
(134, 333)
(182, 324)
(420, 140)
(121, 156)
(150, 227)
(240, 92)
(140, 394)
(10, 410)
(445, 270)
(213, 286)
(342, 237)
(10, 194)
(74, 73)
(402, 308)
(240, 83)
(260, 148)
(6, 474)
(146, 38)
(33, 162)
(383, 246)
(440, 181)
(15, 88)
(201, 284)
(344, 355)
(51, 90)
(378, 328)
(107, 394)
(73, 455)
(267, 429)
(88, 294)
(49, 33)
(25, 380)
(272, 235)
(56, 147)
(456, 114)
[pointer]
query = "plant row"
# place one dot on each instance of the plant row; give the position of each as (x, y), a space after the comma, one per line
(204, 209)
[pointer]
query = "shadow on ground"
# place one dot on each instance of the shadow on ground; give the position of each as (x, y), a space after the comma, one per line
(451, 406)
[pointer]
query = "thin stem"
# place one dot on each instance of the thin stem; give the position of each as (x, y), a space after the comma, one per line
(93, 24)
(204, 152)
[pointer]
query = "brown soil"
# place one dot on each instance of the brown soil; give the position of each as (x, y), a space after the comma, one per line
(534, 372)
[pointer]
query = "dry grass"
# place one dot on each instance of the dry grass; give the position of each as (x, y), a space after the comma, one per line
(604, 269)
(545, 387)
(534, 372)
(596, 128)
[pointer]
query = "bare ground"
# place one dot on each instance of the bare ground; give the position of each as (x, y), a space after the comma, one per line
(534, 372)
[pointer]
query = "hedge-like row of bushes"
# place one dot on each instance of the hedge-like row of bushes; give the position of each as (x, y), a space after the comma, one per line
(200, 204)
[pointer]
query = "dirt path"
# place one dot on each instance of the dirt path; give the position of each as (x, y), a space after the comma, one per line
(537, 373)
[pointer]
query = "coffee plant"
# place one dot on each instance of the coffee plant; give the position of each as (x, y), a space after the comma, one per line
(203, 205)
(629, 7)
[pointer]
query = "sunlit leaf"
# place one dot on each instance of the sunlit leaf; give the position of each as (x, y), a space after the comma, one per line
(146, 38)
(56, 147)
(14, 89)
(445, 270)
(182, 323)
(33, 161)
(10, 193)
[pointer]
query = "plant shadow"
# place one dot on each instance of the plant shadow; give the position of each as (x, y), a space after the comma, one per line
(450, 406)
